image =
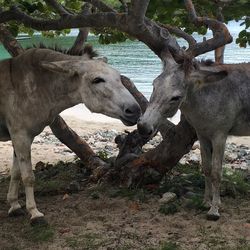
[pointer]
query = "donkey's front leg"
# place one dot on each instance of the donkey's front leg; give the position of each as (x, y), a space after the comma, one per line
(12, 197)
(22, 145)
(218, 144)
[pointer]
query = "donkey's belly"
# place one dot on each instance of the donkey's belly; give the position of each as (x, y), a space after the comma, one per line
(241, 127)
(4, 132)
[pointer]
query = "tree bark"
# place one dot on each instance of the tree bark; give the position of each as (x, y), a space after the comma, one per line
(67, 136)
(83, 32)
(219, 52)
(150, 167)
(9, 42)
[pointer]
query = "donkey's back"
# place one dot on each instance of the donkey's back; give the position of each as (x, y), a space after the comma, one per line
(18, 90)
(223, 106)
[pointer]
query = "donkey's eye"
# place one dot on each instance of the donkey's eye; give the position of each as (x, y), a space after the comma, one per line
(98, 80)
(175, 98)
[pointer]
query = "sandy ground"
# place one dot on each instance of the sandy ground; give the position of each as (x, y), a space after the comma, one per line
(100, 218)
(82, 121)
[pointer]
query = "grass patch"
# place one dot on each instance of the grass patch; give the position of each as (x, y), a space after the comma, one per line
(169, 208)
(168, 245)
(196, 202)
(234, 183)
(53, 187)
(85, 241)
(188, 184)
(95, 196)
(103, 154)
(188, 179)
(39, 233)
(55, 179)
(138, 194)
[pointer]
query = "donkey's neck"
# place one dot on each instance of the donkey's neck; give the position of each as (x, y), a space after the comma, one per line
(47, 92)
(64, 93)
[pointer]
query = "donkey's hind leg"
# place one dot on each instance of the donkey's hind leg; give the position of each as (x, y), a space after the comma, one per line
(218, 143)
(12, 197)
(22, 145)
(206, 156)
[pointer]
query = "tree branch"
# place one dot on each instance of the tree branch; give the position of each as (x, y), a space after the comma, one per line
(124, 5)
(219, 52)
(83, 32)
(155, 37)
(100, 5)
(67, 136)
(139, 97)
(220, 31)
(151, 34)
(178, 32)
(57, 7)
(138, 9)
(9, 42)
(107, 19)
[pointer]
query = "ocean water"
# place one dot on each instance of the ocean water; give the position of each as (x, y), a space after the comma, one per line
(134, 59)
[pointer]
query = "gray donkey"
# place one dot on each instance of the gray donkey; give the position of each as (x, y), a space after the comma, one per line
(215, 100)
(35, 87)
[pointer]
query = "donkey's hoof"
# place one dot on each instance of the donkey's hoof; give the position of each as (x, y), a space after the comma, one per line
(38, 221)
(213, 217)
(17, 212)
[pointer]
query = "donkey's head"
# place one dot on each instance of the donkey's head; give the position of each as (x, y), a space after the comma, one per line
(100, 88)
(171, 88)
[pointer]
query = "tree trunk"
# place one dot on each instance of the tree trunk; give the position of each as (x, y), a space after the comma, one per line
(150, 167)
(219, 52)
(83, 32)
(9, 42)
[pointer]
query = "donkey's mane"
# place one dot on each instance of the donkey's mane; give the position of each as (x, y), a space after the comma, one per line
(86, 50)
(190, 64)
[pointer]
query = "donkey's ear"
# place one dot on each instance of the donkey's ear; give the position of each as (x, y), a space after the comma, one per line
(215, 76)
(64, 67)
(201, 78)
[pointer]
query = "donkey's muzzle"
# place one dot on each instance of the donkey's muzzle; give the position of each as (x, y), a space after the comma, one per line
(145, 129)
(131, 114)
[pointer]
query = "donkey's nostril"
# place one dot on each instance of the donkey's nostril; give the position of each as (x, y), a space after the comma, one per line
(144, 130)
(132, 111)
(130, 114)
(128, 111)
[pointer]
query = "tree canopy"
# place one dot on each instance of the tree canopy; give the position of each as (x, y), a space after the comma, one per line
(170, 12)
